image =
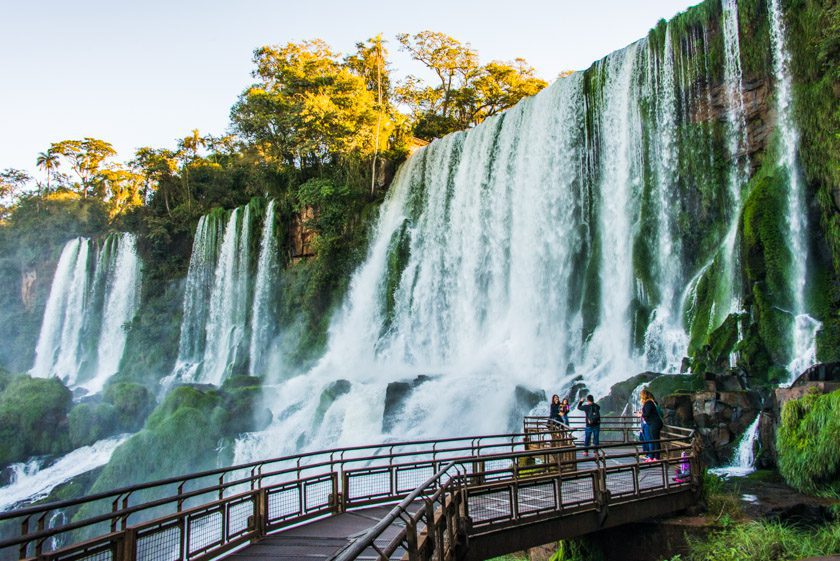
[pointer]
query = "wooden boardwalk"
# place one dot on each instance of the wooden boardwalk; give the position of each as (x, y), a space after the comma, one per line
(325, 538)
(456, 499)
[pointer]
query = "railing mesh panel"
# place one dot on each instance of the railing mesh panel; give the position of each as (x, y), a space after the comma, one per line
(362, 485)
(162, 544)
(283, 503)
(651, 477)
(318, 494)
(103, 554)
(578, 491)
(238, 515)
(205, 531)
(534, 498)
(488, 506)
(410, 478)
(621, 482)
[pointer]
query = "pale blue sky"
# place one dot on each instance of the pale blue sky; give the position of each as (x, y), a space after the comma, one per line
(144, 73)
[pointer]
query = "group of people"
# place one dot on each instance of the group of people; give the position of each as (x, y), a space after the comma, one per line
(559, 413)
(650, 417)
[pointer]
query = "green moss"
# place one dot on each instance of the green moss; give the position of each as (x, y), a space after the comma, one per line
(131, 403)
(806, 443)
(89, 423)
(33, 418)
(767, 262)
(673, 383)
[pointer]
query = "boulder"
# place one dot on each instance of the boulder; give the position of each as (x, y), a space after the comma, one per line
(615, 402)
(396, 394)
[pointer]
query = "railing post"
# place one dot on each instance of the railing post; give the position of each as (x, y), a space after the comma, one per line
(411, 539)
(127, 547)
(261, 515)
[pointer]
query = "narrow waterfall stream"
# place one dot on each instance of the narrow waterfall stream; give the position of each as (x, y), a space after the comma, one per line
(94, 294)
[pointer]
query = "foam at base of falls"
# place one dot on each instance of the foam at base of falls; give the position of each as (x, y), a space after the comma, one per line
(35, 484)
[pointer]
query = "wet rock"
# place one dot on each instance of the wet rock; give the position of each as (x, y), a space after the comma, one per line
(396, 395)
(332, 392)
(525, 400)
(620, 393)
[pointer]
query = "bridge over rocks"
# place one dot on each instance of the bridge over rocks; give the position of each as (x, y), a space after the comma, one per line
(467, 498)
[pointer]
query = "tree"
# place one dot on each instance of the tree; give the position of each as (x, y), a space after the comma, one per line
(306, 108)
(12, 184)
(155, 166)
(467, 93)
(85, 158)
(49, 162)
(453, 62)
(120, 188)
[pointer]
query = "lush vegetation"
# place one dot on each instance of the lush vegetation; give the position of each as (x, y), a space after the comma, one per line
(807, 444)
(770, 541)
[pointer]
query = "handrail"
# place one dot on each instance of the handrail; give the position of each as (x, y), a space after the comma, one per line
(220, 471)
(361, 543)
(469, 455)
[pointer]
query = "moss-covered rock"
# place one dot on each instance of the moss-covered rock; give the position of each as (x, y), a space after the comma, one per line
(91, 422)
(33, 418)
(131, 402)
(767, 262)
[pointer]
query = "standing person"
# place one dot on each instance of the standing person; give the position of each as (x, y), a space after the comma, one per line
(564, 411)
(653, 424)
(593, 422)
(554, 410)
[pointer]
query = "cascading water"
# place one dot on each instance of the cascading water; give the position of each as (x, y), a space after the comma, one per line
(35, 482)
(804, 328)
(665, 339)
(94, 294)
(121, 270)
(262, 324)
(227, 319)
(744, 461)
(227, 323)
(585, 235)
(502, 260)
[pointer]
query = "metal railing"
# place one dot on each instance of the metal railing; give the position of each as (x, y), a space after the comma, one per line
(531, 485)
(202, 515)
(439, 486)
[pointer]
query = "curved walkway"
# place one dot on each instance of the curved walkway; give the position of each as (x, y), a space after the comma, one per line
(459, 498)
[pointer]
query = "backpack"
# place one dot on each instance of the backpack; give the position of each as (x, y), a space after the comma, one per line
(659, 412)
(595, 415)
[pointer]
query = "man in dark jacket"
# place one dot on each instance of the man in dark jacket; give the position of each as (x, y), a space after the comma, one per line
(593, 422)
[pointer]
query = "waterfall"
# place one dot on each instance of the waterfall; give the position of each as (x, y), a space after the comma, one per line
(199, 285)
(94, 294)
(804, 328)
(736, 136)
(665, 339)
(227, 315)
(744, 461)
(228, 322)
(262, 324)
(585, 235)
(121, 271)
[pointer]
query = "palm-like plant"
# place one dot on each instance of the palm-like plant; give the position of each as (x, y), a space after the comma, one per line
(47, 161)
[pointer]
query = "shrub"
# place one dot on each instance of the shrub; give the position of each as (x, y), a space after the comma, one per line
(807, 443)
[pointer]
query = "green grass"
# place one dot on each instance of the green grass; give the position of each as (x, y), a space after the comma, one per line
(807, 444)
(765, 541)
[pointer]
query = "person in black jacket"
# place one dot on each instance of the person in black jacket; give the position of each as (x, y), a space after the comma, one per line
(554, 411)
(652, 424)
(592, 431)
